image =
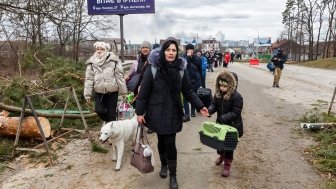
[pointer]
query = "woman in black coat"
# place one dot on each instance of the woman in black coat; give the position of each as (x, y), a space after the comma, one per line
(159, 104)
(228, 103)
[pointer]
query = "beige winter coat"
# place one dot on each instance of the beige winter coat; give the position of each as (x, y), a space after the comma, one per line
(104, 77)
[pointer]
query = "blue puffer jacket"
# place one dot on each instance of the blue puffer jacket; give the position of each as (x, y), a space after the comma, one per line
(204, 65)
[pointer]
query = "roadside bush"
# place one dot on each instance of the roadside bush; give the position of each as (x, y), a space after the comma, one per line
(324, 153)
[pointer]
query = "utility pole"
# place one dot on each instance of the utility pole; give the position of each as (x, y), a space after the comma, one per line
(258, 45)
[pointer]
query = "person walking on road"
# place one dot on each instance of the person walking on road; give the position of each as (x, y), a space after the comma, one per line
(139, 66)
(227, 58)
(104, 80)
(278, 59)
(194, 71)
(159, 106)
(228, 103)
(138, 69)
(232, 55)
(204, 66)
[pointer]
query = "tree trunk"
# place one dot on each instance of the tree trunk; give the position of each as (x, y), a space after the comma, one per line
(30, 129)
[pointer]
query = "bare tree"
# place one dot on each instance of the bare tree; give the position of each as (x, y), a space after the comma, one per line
(330, 34)
(321, 8)
(65, 22)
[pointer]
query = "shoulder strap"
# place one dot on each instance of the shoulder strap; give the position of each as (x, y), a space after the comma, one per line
(154, 69)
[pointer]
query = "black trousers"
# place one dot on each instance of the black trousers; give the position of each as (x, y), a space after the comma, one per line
(106, 106)
(167, 146)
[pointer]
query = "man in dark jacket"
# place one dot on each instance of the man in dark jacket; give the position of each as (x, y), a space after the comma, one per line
(278, 59)
(194, 70)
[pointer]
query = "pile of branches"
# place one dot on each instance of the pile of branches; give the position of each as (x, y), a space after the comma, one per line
(54, 74)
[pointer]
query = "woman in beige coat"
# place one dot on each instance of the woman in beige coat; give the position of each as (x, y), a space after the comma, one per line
(104, 81)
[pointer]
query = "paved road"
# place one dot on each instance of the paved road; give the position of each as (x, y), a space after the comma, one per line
(269, 155)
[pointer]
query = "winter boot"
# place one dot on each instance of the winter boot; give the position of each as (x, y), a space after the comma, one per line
(227, 166)
(273, 84)
(164, 167)
(172, 174)
(277, 85)
(149, 131)
(220, 159)
(193, 113)
(173, 182)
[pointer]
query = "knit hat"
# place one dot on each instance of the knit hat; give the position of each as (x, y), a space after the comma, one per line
(156, 46)
(145, 44)
(103, 45)
(190, 46)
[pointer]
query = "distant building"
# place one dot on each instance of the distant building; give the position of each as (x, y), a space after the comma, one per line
(233, 43)
(294, 51)
(211, 44)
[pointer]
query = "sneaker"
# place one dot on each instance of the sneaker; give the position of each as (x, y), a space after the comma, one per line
(186, 118)
(149, 131)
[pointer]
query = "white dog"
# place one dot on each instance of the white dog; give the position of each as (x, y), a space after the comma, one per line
(119, 132)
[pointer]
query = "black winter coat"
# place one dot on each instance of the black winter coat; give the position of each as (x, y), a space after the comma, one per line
(279, 60)
(155, 100)
(229, 111)
(194, 70)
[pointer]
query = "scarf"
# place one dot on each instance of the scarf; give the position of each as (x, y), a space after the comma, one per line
(99, 59)
(172, 76)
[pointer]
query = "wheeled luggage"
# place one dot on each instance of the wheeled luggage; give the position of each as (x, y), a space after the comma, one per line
(219, 137)
(205, 95)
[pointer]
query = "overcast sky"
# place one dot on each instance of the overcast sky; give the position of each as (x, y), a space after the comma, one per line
(235, 19)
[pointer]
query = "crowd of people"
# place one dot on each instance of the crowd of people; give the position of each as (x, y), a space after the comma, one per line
(165, 87)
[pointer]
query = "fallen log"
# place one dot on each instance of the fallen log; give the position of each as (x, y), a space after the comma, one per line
(317, 126)
(71, 116)
(30, 129)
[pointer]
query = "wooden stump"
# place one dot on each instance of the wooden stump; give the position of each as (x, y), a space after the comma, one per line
(30, 129)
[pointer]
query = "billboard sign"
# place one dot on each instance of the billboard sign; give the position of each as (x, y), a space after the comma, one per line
(110, 7)
(262, 42)
(187, 40)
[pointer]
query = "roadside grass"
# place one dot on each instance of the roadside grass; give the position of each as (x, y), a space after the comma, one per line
(328, 63)
(6, 148)
(323, 154)
(95, 147)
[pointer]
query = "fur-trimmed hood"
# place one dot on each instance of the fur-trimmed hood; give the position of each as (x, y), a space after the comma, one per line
(154, 58)
(232, 84)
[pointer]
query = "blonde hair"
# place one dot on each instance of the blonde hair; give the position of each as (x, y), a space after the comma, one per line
(103, 45)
